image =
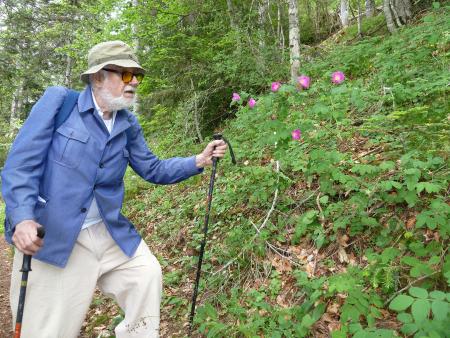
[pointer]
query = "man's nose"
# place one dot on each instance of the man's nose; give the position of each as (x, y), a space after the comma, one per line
(134, 81)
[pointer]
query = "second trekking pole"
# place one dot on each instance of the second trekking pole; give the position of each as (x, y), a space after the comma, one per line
(205, 227)
(26, 267)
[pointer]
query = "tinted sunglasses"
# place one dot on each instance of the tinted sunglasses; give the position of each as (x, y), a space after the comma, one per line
(127, 76)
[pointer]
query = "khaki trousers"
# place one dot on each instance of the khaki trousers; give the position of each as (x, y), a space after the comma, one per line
(57, 299)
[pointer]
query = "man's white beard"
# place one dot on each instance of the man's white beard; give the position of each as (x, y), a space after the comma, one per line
(116, 103)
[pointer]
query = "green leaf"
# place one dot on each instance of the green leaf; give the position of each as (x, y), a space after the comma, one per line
(420, 270)
(429, 187)
(436, 5)
(439, 295)
(411, 261)
(434, 260)
(439, 309)
(411, 198)
(307, 321)
(389, 254)
(338, 334)
(420, 310)
(401, 303)
(405, 318)
(360, 334)
(409, 328)
(323, 199)
(424, 218)
(418, 292)
(350, 312)
(387, 165)
(412, 177)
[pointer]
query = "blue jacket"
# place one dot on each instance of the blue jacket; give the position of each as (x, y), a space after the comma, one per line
(66, 168)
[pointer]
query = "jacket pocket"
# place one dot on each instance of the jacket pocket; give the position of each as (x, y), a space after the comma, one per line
(69, 146)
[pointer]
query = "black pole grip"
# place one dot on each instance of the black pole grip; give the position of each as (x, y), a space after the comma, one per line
(41, 232)
(26, 264)
(221, 137)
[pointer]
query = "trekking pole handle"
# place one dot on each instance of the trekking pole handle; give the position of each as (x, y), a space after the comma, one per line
(221, 137)
(26, 264)
(41, 232)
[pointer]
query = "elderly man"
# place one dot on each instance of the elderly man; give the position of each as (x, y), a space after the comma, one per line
(69, 179)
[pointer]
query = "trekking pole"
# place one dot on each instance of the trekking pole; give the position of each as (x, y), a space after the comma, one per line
(205, 227)
(26, 267)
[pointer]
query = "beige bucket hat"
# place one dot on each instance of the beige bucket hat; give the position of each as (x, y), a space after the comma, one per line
(116, 53)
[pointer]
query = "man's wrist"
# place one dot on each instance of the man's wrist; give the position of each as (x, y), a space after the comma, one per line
(200, 161)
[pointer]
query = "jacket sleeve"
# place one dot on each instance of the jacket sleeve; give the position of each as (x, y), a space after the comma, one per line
(150, 167)
(25, 163)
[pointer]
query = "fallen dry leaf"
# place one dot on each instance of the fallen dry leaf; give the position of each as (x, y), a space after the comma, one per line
(343, 258)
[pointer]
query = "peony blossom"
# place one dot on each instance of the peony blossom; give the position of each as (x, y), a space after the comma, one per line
(304, 81)
(337, 77)
(251, 103)
(296, 134)
(235, 97)
(275, 86)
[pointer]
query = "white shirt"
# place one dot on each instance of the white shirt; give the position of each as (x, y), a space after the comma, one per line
(93, 215)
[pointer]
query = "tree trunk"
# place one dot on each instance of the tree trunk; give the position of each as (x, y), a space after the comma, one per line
(196, 117)
(294, 39)
(280, 31)
(397, 13)
(344, 13)
(402, 9)
(234, 25)
(370, 8)
(262, 14)
(16, 106)
(68, 74)
(389, 19)
(317, 21)
(136, 105)
(359, 19)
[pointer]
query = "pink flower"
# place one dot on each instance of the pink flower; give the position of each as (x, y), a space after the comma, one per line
(235, 97)
(275, 86)
(296, 134)
(251, 103)
(304, 81)
(337, 77)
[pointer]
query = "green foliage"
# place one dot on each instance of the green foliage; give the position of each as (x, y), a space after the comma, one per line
(365, 168)
(421, 313)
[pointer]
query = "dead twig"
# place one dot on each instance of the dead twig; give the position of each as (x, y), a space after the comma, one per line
(375, 150)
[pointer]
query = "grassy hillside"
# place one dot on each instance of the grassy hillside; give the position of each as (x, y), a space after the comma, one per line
(342, 232)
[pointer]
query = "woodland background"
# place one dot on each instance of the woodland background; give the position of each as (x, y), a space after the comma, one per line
(338, 229)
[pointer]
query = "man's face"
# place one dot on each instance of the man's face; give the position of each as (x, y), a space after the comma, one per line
(116, 84)
(114, 92)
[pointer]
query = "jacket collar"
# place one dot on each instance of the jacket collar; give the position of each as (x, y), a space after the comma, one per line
(85, 102)
(121, 123)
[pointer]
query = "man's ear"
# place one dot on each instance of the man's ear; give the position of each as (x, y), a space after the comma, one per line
(97, 78)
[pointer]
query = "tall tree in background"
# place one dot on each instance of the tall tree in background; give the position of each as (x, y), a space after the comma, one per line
(234, 25)
(294, 39)
(370, 8)
(344, 13)
(263, 7)
(397, 13)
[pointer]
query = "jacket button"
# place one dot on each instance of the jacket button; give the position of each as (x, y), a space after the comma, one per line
(83, 210)
(101, 165)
